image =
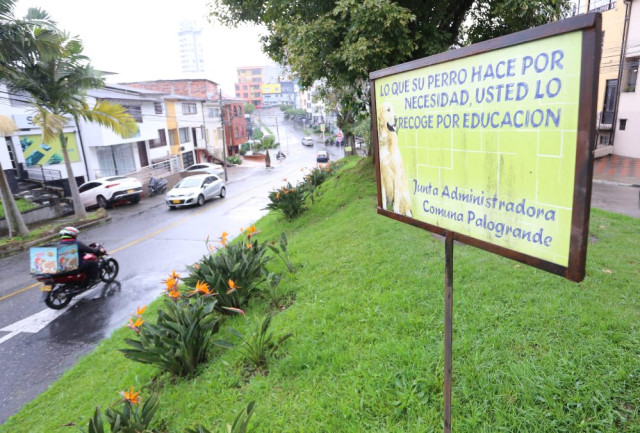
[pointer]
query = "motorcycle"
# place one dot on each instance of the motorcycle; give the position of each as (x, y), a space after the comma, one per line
(280, 156)
(58, 289)
(157, 186)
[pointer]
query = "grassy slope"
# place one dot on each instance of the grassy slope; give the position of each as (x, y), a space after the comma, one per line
(532, 351)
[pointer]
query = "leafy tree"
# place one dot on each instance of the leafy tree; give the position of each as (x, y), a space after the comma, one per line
(58, 88)
(249, 108)
(493, 18)
(338, 42)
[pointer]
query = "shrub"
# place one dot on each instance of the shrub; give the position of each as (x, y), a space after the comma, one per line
(318, 175)
(234, 159)
(257, 134)
(131, 419)
(181, 337)
(235, 270)
(258, 347)
(282, 250)
(288, 200)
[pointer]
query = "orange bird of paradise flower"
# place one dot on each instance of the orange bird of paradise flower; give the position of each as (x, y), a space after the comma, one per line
(174, 275)
(232, 286)
(171, 283)
(135, 325)
(173, 294)
(202, 287)
(140, 310)
(131, 396)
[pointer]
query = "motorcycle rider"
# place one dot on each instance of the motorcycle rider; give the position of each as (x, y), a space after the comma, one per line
(69, 235)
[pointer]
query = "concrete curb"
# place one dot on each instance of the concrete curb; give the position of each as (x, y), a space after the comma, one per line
(23, 246)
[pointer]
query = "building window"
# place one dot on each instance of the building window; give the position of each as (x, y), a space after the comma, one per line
(184, 135)
(609, 102)
(604, 140)
(135, 111)
(623, 124)
(161, 141)
(189, 108)
(213, 112)
(157, 106)
(630, 74)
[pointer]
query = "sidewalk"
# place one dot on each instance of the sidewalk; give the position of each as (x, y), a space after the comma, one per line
(617, 169)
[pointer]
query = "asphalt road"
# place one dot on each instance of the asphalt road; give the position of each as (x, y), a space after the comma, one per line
(38, 344)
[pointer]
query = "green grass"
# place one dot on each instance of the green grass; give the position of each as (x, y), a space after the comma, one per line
(23, 205)
(532, 352)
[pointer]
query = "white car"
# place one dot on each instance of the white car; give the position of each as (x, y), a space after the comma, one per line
(196, 189)
(107, 191)
(307, 141)
(205, 167)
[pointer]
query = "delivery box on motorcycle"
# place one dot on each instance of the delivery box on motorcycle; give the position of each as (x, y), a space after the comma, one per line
(53, 259)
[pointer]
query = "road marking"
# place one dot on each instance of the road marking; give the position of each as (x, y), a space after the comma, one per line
(2, 298)
(6, 337)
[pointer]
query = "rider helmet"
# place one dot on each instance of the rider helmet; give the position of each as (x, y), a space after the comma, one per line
(69, 233)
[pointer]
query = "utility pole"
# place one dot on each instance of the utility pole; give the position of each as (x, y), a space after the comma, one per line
(278, 134)
(224, 140)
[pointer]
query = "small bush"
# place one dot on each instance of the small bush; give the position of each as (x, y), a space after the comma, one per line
(257, 347)
(131, 419)
(234, 271)
(178, 342)
(234, 159)
(288, 200)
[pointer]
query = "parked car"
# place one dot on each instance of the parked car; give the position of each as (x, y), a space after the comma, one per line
(205, 167)
(107, 191)
(196, 189)
(307, 141)
(323, 156)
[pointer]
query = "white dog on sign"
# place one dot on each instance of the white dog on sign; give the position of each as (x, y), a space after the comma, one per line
(392, 177)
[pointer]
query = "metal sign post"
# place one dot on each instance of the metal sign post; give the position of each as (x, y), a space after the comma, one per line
(448, 328)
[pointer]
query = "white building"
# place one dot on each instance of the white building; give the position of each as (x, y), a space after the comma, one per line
(627, 141)
(106, 152)
(191, 50)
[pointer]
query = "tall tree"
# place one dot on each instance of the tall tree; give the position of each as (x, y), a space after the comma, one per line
(58, 88)
(14, 217)
(340, 41)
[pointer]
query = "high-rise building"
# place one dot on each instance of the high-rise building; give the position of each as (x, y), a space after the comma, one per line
(191, 51)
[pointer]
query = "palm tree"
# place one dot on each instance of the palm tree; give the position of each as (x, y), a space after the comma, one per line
(21, 43)
(58, 88)
(14, 217)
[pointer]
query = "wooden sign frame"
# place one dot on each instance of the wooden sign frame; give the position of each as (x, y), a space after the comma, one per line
(590, 26)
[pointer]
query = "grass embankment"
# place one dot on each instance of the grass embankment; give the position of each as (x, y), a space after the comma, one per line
(532, 351)
(22, 204)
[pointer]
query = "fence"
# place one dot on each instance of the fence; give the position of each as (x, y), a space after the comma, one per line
(38, 172)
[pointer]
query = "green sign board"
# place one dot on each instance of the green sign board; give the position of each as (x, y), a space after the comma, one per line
(488, 145)
(36, 152)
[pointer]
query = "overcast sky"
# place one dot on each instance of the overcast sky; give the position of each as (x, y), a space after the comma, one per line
(138, 39)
